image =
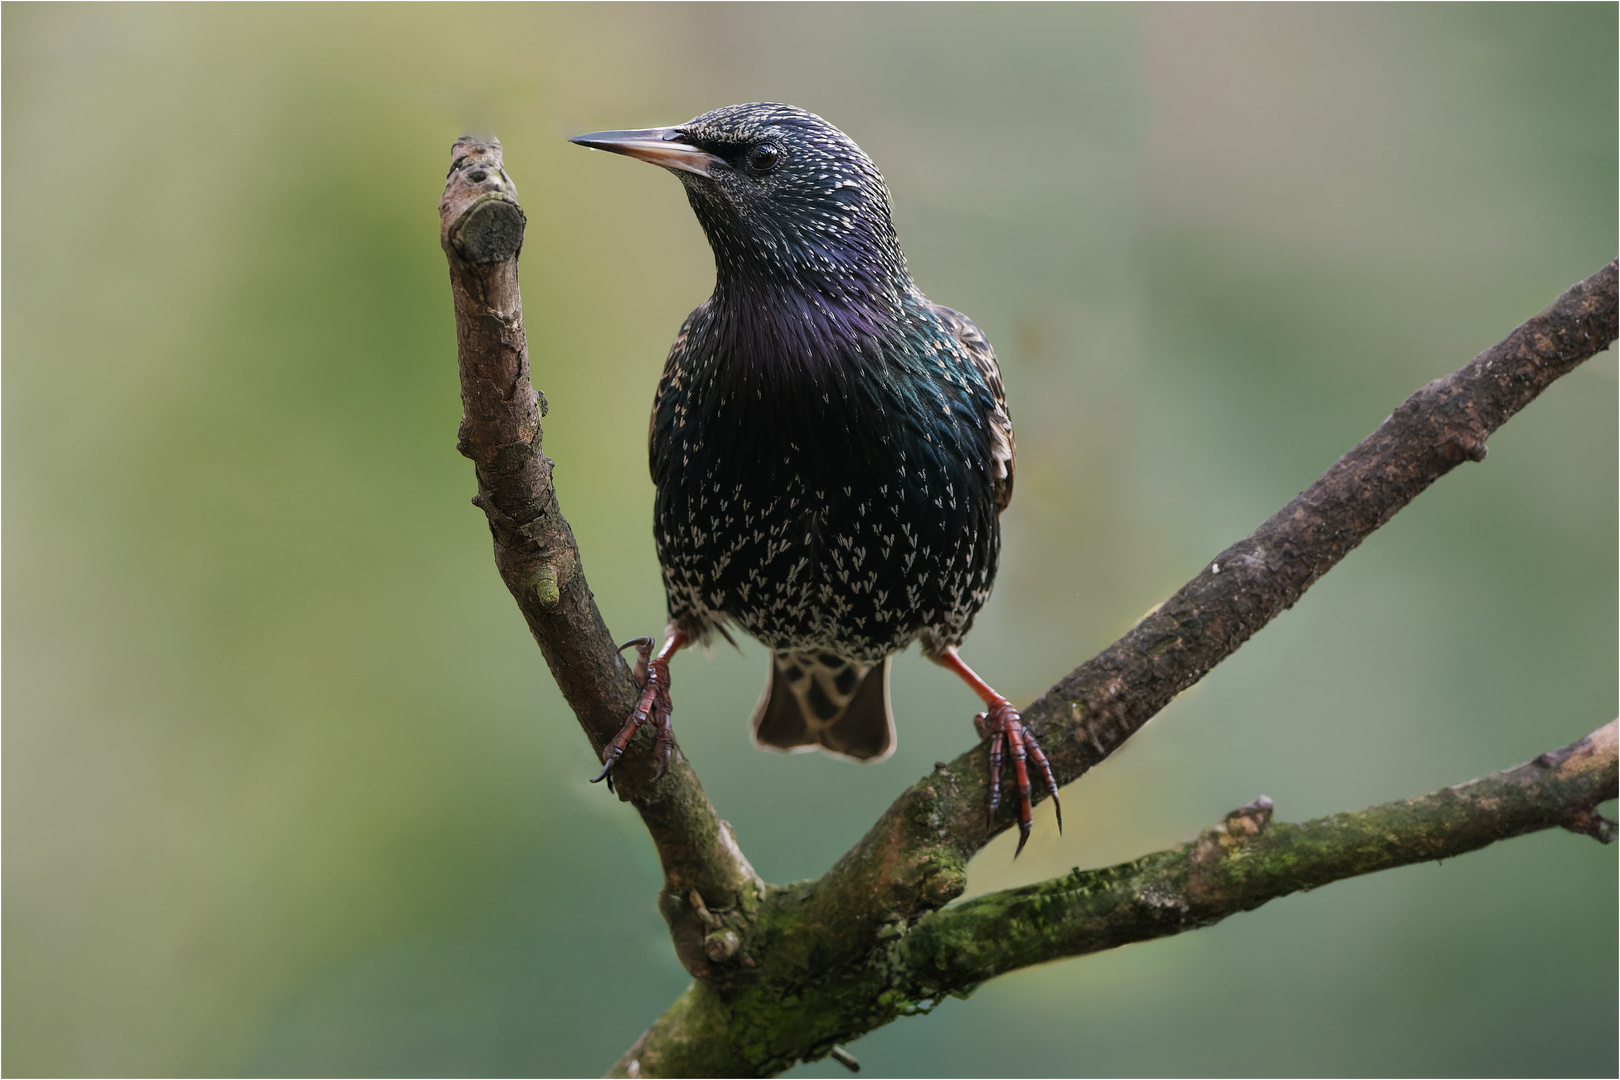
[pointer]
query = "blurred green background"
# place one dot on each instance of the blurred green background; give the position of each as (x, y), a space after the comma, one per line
(287, 788)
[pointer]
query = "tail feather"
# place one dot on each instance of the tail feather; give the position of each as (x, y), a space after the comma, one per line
(818, 700)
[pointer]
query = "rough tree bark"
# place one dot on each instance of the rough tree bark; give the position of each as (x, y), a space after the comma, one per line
(785, 973)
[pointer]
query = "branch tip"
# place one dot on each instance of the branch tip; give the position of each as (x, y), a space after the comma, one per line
(1593, 824)
(491, 231)
(845, 1058)
(1251, 819)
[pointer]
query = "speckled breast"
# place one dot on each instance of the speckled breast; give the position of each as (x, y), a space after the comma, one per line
(853, 526)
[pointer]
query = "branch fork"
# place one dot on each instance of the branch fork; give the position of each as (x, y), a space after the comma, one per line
(787, 973)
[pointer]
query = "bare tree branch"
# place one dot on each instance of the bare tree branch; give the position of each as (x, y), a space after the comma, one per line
(784, 973)
(481, 230)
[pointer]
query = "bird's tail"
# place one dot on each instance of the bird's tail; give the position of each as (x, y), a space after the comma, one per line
(820, 700)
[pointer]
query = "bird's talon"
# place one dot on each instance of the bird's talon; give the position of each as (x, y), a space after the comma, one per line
(998, 746)
(643, 646)
(1010, 738)
(652, 707)
(661, 754)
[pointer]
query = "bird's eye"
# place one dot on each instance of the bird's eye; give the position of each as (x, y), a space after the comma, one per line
(763, 158)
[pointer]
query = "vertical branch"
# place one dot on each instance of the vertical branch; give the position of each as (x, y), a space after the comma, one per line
(481, 230)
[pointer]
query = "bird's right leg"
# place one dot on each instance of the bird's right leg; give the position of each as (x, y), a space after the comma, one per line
(1005, 730)
(652, 673)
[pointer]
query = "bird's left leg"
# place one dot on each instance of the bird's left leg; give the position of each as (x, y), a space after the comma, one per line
(652, 674)
(1001, 724)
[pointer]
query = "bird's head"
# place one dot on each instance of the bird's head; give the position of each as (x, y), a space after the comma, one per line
(786, 199)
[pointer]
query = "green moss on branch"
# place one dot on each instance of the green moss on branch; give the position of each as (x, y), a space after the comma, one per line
(799, 1002)
(1245, 861)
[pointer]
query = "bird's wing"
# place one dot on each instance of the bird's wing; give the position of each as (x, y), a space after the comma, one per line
(1003, 451)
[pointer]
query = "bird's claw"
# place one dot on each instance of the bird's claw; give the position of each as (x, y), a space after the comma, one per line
(643, 647)
(652, 675)
(1006, 731)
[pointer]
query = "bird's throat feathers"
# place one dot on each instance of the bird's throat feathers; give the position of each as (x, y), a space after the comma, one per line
(796, 304)
(781, 345)
(846, 257)
(815, 335)
(806, 382)
(809, 276)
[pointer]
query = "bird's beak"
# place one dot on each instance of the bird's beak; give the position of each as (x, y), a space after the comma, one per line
(661, 146)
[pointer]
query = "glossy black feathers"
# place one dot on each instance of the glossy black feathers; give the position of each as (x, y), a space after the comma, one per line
(831, 450)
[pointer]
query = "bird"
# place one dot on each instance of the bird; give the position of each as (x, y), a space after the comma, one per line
(831, 450)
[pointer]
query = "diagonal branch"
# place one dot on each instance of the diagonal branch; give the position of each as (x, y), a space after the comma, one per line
(918, 849)
(481, 231)
(1244, 862)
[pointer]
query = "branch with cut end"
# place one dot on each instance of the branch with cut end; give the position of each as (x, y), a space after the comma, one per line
(1244, 862)
(481, 230)
(937, 824)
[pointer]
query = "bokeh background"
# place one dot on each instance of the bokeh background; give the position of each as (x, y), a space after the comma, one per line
(287, 788)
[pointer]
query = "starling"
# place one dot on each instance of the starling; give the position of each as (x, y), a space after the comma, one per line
(831, 450)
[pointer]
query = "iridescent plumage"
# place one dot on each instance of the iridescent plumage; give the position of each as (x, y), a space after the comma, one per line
(831, 450)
